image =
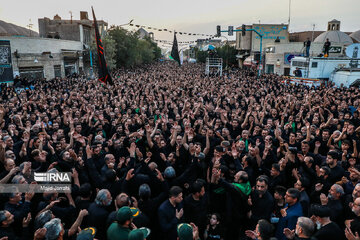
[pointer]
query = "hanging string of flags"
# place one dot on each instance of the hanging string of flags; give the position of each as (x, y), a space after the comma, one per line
(166, 30)
(183, 42)
(170, 42)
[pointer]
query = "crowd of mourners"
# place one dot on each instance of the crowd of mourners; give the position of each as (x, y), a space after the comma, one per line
(169, 153)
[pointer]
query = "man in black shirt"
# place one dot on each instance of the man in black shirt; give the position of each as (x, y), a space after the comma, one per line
(297, 72)
(307, 45)
(327, 230)
(337, 172)
(355, 224)
(327, 45)
(195, 206)
(333, 201)
(261, 201)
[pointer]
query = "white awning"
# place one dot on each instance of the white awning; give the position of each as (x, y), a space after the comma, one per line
(249, 61)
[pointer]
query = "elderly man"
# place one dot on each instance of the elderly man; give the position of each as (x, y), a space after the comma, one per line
(304, 229)
(349, 200)
(54, 229)
(19, 208)
(333, 201)
(355, 223)
(99, 212)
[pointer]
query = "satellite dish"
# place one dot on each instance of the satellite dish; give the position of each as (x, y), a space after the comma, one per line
(353, 50)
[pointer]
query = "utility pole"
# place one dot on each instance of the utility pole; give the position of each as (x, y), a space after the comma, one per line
(71, 16)
(30, 26)
(312, 36)
(289, 14)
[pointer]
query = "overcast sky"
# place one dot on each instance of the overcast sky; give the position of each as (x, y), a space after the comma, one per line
(194, 16)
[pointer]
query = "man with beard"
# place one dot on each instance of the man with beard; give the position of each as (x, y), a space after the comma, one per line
(325, 135)
(303, 230)
(290, 213)
(170, 213)
(322, 185)
(349, 201)
(261, 202)
(99, 212)
(337, 172)
(6, 229)
(333, 201)
(195, 205)
(327, 230)
(66, 163)
(355, 223)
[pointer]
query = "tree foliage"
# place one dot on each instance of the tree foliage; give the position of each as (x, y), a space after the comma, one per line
(132, 51)
(226, 52)
(109, 51)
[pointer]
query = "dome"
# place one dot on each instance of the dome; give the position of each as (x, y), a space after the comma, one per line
(334, 36)
(8, 29)
(356, 35)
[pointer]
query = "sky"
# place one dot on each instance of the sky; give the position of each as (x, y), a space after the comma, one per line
(192, 16)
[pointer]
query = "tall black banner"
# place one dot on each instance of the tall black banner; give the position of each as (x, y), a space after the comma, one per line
(6, 71)
(104, 75)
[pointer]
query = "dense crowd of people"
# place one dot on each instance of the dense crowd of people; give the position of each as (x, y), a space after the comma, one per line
(169, 153)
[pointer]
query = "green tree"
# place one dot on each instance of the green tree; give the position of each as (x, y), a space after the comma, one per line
(109, 51)
(156, 50)
(201, 56)
(228, 54)
(132, 51)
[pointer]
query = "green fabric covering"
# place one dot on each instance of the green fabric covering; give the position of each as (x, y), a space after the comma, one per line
(243, 187)
(293, 125)
(246, 144)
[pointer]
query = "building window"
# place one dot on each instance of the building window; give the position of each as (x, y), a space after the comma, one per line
(270, 68)
(314, 64)
(87, 36)
(31, 73)
(298, 64)
(57, 71)
(270, 50)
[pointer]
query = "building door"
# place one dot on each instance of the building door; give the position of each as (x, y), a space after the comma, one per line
(286, 71)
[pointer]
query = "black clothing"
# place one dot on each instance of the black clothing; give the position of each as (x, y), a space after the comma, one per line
(97, 218)
(330, 231)
(195, 211)
(261, 207)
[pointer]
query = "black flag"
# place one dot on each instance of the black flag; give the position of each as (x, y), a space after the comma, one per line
(175, 51)
(104, 75)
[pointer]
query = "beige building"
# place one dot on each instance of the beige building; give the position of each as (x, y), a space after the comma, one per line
(36, 58)
(249, 44)
(278, 55)
(82, 30)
